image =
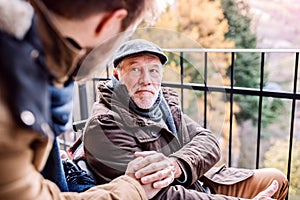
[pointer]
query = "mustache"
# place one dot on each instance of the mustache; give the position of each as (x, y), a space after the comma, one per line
(149, 89)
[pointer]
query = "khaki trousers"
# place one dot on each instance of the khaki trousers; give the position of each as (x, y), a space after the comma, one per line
(250, 187)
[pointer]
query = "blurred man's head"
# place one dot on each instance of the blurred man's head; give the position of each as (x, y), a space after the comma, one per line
(90, 22)
(139, 66)
(71, 29)
(82, 9)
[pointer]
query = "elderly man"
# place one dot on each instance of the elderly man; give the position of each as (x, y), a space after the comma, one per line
(135, 117)
(42, 43)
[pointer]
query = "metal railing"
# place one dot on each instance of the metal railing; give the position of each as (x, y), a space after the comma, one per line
(231, 90)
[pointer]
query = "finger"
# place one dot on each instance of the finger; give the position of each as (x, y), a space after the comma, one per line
(272, 189)
(148, 157)
(144, 164)
(134, 165)
(269, 192)
(152, 167)
(163, 183)
(157, 176)
(144, 153)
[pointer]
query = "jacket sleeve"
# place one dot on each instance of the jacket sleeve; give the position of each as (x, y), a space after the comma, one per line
(108, 147)
(201, 150)
(22, 154)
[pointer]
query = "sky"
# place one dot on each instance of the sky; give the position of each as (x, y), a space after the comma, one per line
(276, 23)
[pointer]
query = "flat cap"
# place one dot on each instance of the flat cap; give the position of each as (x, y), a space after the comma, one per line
(138, 46)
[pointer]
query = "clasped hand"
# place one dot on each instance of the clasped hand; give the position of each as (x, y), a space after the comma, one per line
(154, 171)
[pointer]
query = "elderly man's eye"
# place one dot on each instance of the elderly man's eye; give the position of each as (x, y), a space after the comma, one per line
(135, 69)
(154, 71)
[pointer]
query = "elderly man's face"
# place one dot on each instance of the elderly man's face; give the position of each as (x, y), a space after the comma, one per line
(142, 76)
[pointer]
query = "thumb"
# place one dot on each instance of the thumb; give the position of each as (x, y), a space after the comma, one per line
(272, 189)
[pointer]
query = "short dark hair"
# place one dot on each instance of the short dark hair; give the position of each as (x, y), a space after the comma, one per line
(80, 9)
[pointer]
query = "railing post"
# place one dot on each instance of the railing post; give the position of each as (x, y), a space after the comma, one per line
(292, 118)
(181, 79)
(206, 90)
(260, 101)
(84, 114)
(231, 107)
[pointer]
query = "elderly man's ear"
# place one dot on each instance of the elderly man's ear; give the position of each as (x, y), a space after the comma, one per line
(110, 24)
(115, 73)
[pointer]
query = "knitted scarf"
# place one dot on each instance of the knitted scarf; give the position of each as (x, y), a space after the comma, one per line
(61, 109)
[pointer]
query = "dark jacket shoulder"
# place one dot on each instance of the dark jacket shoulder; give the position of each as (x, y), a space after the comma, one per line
(24, 80)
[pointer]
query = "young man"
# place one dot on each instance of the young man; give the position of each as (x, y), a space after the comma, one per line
(135, 114)
(39, 56)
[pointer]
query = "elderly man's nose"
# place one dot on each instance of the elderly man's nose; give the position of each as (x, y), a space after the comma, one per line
(145, 77)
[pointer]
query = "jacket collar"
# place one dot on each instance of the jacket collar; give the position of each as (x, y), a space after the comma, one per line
(62, 56)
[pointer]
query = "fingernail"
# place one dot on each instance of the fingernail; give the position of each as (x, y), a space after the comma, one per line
(144, 180)
(137, 175)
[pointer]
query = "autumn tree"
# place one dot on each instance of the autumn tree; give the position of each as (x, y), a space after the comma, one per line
(247, 65)
(247, 74)
(201, 24)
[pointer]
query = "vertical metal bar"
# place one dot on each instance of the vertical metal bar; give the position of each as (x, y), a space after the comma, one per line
(231, 107)
(107, 72)
(181, 79)
(83, 101)
(293, 118)
(262, 71)
(206, 90)
(94, 90)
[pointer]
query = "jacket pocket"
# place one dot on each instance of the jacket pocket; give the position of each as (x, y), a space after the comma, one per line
(228, 176)
(147, 135)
